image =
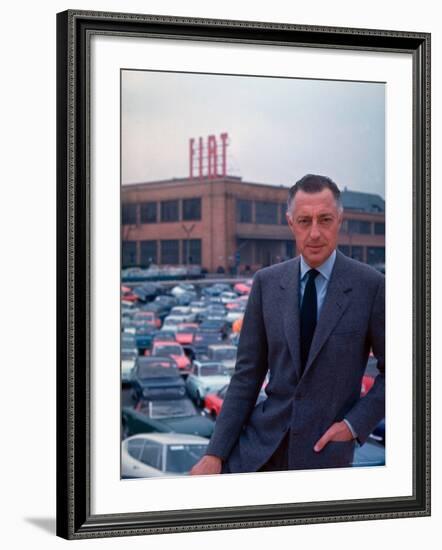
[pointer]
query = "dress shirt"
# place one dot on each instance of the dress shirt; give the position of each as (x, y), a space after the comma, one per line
(321, 283)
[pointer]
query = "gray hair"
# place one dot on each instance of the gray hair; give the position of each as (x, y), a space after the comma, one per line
(313, 183)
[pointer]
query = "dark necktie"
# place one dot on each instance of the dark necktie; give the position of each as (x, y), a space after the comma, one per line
(309, 309)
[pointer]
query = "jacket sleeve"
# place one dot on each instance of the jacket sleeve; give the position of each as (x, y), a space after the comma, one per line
(370, 410)
(250, 370)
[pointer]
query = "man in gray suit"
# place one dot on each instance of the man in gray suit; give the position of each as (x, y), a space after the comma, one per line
(310, 324)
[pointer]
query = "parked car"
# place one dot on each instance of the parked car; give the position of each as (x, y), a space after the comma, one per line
(371, 453)
(143, 337)
(218, 325)
(173, 350)
(149, 317)
(224, 353)
(197, 306)
(378, 433)
(213, 402)
(186, 298)
(172, 322)
(128, 359)
(228, 296)
(203, 339)
(163, 336)
(160, 454)
(186, 334)
(205, 377)
(181, 289)
(127, 295)
(184, 312)
(128, 342)
(239, 303)
(165, 415)
(242, 288)
(156, 376)
(233, 316)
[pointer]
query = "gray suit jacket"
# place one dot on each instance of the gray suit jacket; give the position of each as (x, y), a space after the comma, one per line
(352, 322)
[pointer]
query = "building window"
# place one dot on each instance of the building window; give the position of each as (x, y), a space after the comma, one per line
(129, 214)
(148, 212)
(289, 249)
(359, 226)
(192, 251)
(170, 252)
(355, 252)
(283, 213)
(129, 255)
(375, 255)
(169, 211)
(192, 209)
(266, 212)
(379, 228)
(243, 211)
(148, 253)
(245, 250)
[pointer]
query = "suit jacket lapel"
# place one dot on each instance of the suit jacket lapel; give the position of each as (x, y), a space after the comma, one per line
(336, 302)
(290, 311)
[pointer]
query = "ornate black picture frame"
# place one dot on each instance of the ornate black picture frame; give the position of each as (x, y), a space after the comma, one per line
(74, 32)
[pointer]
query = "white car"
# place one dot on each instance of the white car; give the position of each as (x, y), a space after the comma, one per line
(171, 323)
(223, 353)
(160, 454)
(206, 377)
(181, 289)
(233, 316)
(127, 364)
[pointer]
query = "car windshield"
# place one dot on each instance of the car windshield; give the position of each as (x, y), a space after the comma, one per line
(181, 458)
(159, 368)
(168, 350)
(148, 315)
(187, 330)
(210, 370)
(224, 353)
(168, 408)
(172, 321)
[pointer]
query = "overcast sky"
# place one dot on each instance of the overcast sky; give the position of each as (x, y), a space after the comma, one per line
(279, 128)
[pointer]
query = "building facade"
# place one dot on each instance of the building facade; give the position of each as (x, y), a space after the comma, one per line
(228, 225)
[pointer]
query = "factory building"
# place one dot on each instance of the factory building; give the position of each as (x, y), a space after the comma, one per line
(225, 224)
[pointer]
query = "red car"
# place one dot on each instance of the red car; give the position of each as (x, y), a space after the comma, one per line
(127, 295)
(214, 401)
(173, 350)
(242, 288)
(367, 383)
(186, 333)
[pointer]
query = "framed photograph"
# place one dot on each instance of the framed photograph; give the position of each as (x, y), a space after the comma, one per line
(243, 244)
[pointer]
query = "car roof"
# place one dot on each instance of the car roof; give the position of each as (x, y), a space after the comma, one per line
(152, 362)
(171, 438)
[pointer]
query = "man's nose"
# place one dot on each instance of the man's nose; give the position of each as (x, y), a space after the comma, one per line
(314, 231)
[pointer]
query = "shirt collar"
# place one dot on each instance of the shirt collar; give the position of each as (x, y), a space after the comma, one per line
(324, 269)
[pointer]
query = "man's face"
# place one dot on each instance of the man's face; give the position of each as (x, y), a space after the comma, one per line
(315, 221)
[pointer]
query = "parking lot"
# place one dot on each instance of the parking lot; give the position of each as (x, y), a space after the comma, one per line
(178, 351)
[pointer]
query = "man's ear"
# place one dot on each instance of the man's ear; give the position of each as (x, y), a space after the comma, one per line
(340, 218)
(289, 219)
